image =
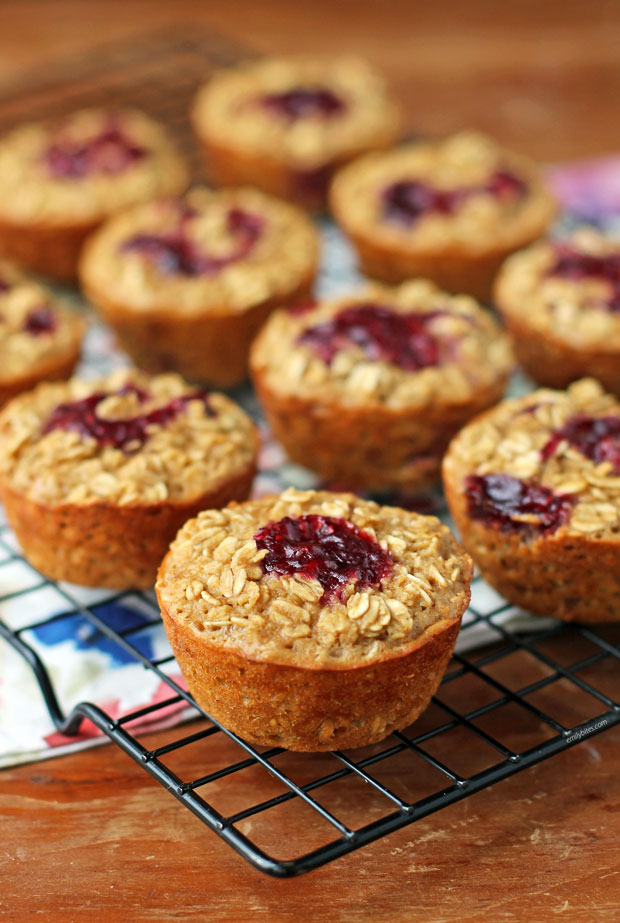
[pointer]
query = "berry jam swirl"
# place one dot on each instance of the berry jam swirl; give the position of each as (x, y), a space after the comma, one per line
(302, 102)
(597, 438)
(332, 551)
(109, 152)
(571, 264)
(39, 321)
(174, 252)
(406, 201)
(81, 417)
(512, 505)
(382, 333)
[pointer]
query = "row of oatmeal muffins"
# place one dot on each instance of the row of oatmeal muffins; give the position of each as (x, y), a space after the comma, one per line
(312, 620)
(449, 210)
(366, 390)
(187, 281)
(182, 271)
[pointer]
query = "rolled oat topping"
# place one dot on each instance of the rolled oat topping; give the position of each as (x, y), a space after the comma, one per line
(464, 190)
(125, 439)
(304, 110)
(399, 347)
(34, 326)
(549, 454)
(85, 166)
(221, 251)
(569, 289)
(404, 574)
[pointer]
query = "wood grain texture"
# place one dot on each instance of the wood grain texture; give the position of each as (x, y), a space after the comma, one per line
(91, 836)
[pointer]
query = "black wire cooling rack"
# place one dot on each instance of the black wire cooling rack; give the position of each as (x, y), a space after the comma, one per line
(524, 697)
(547, 690)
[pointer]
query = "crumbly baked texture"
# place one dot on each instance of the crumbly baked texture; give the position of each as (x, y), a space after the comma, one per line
(59, 180)
(285, 124)
(564, 327)
(488, 202)
(361, 419)
(40, 339)
(559, 554)
(186, 283)
(277, 659)
(97, 476)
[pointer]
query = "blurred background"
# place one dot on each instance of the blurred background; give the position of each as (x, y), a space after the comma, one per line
(543, 77)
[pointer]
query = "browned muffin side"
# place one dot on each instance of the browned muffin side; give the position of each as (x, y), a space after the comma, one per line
(534, 488)
(97, 476)
(186, 283)
(313, 620)
(59, 180)
(448, 210)
(367, 389)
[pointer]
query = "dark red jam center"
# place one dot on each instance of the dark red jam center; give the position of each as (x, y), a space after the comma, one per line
(332, 551)
(406, 201)
(496, 499)
(81, 417)
(598, 438)
(174, 253)
(40, 320)
(301, 102)
(111, 151)
(576, 266)
(383, 334)
(4, 285)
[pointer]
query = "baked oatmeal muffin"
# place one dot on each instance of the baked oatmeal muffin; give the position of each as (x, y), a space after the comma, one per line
(97, 476)
(448, 210)
(561, 303)
(368, 389)
(186, 283)
(286, 124)
(534, 488)
(59, 180)
(313, 620)
(40, 338)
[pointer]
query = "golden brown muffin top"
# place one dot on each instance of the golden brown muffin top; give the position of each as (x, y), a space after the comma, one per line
(368, 581)
(304, 111)
(569, 289)
(409, 346)
(128, 438)
(85, 166)
(566, 442)
(463, 193)
(210, 251)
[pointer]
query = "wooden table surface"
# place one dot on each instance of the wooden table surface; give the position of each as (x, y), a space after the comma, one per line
(90, 836)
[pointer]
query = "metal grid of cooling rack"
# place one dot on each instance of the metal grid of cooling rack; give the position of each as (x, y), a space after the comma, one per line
(500, 709)
(581, 695)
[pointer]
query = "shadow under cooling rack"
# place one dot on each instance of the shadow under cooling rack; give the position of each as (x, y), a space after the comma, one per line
(499, 710)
